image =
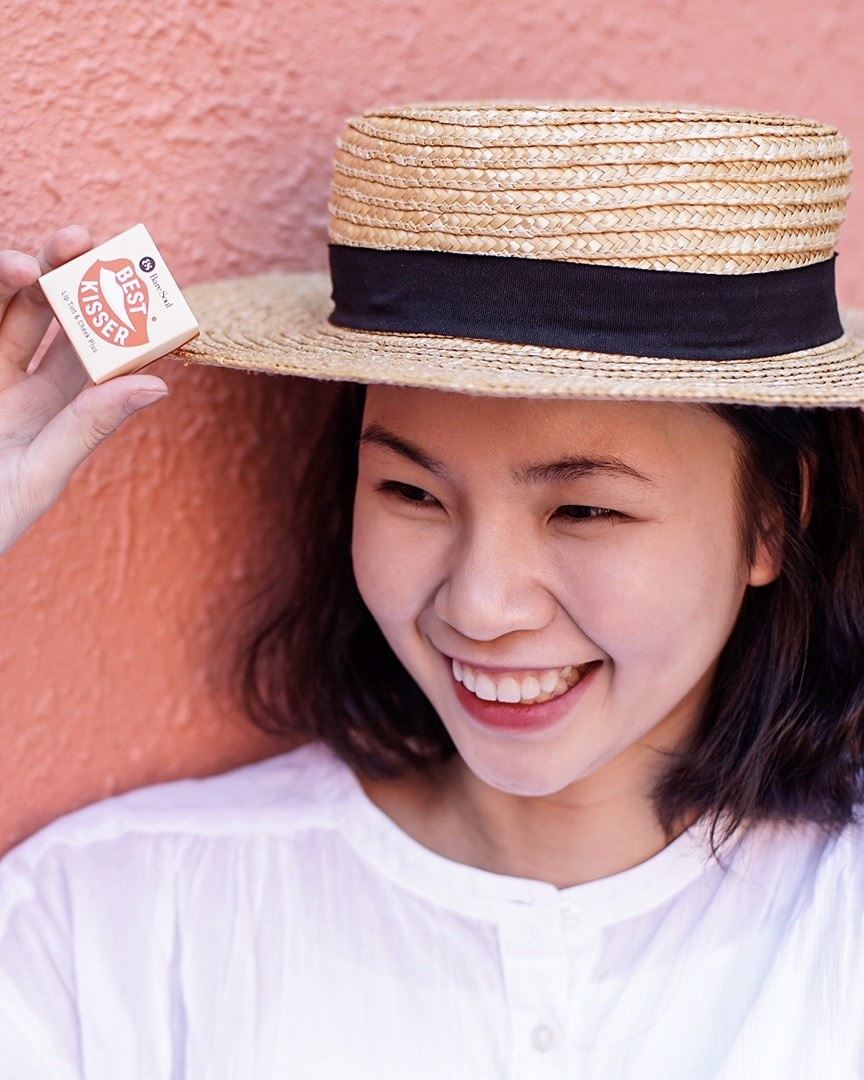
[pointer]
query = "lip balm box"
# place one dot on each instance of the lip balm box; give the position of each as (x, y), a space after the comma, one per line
(119, 305)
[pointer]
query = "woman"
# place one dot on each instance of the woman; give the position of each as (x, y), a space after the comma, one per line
(577, 628)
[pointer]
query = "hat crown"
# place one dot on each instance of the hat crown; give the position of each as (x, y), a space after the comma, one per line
(656, 188)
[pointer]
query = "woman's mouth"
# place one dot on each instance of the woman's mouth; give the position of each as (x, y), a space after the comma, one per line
(522, 687)
(523, 700)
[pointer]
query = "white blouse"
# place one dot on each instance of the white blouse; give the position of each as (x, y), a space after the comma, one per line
(273, 923)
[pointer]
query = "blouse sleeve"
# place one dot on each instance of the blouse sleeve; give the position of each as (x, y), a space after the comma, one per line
(39, 1031)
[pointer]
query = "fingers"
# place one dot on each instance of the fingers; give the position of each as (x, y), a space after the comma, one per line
(24, 312)
(62, 369)
(76, 431)
(17, 271)
(27, 407)
(65, 244)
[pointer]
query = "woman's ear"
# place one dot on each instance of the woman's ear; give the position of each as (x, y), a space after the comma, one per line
(767, 560)
(807, 471)
(768, 557)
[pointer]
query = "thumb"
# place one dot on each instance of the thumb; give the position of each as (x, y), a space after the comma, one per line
(72, 435)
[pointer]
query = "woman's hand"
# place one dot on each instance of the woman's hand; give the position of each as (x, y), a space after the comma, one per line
(48, 422)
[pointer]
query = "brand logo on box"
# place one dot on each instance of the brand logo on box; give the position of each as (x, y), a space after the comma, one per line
(114, 302)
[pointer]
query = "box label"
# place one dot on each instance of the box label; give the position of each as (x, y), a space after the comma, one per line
(115, 303)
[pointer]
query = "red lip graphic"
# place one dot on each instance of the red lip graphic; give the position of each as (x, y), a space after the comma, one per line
(114, 302)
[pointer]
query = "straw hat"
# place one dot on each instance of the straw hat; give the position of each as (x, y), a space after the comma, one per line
(569, 251)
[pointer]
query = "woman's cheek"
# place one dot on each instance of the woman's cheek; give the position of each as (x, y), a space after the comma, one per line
(616, 597)
(389, 567)
(653, 601)
(368, 553)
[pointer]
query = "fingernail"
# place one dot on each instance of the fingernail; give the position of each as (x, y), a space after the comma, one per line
(140, 399)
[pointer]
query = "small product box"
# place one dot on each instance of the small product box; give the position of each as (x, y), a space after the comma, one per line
(119, 305)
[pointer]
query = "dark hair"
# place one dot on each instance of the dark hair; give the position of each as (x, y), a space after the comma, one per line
(782, 736)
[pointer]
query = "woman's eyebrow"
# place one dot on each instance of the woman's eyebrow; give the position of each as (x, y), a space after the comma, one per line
(378, 435)
(550, 472)
(575, 468)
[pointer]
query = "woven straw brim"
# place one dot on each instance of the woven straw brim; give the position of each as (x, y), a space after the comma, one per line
(278, 324)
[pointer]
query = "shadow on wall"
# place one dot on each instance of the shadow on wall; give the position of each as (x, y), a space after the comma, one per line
(126, 604)
(282, 418)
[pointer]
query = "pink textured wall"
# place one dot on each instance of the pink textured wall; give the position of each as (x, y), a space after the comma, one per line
(213, 122)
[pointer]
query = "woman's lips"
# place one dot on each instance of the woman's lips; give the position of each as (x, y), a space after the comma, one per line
(522, 716)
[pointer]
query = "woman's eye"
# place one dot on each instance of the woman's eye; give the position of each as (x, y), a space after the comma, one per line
(407, 493)
(587, 513)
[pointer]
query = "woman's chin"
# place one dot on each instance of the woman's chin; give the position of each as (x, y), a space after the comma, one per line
(527, 772)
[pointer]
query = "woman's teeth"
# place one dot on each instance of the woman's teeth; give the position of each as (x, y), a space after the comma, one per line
(534, 688)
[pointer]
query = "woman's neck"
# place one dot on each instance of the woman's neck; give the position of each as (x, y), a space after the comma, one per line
(591, 830)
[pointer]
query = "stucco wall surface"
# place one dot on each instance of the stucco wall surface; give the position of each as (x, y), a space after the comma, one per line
(213, 122)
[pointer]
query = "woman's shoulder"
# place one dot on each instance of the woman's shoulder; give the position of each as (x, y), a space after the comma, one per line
(122, 900)
(813, 874)
(277, 796)
(838, 868)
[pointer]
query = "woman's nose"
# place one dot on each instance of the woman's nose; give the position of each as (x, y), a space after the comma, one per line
(494, 586)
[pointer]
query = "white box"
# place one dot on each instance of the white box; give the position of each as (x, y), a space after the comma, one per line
(119, 305)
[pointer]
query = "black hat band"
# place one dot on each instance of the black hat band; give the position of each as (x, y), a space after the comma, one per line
(619, 310)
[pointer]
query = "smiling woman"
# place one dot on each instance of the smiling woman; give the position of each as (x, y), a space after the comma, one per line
(576, 589)
(576, 632)
(514, 574)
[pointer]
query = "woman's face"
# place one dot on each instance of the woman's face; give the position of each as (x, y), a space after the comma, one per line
(558, 577)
